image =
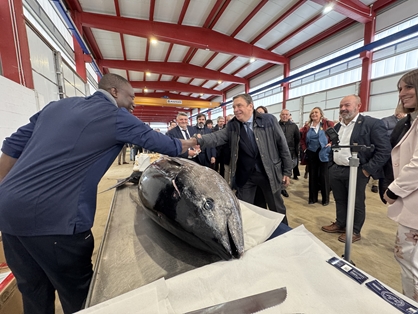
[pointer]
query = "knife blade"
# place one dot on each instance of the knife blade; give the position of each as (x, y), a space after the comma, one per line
(247, 305)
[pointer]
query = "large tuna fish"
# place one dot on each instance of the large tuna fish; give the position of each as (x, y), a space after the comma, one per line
(194, 203)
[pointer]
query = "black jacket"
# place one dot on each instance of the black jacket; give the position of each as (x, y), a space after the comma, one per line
(271, 143)
(368, 131)
(292, 135)
(398, 132)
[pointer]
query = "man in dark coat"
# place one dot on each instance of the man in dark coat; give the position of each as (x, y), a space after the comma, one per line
(259, 153)
(207, 156)
(292, 135)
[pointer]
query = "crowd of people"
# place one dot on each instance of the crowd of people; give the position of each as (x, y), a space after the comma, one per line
(256, 153)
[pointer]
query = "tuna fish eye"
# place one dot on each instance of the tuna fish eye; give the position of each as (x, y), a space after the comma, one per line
(208, 204)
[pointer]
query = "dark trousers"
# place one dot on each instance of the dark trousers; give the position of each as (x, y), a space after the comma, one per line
(260, 180)
(318, 177)
(339, 179)
(43, 264)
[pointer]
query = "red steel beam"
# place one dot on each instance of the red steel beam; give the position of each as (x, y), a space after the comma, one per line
(174, 86)
(14, 46)
(196, 37)
(219, 14)
(353, 9)
(296, 6)
(249, 17)
(316, 39)
(299, 29)
(213, 12)
(171, 68)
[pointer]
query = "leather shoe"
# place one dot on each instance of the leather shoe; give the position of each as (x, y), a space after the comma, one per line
(312, 202)
(325, 203)
(306, 175)
(333, 228)
(125, 163)
(295, 178)
(356, 237)
(284, 193)
(375, 189)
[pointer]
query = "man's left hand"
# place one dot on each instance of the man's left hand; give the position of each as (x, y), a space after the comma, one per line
(212, 160)
(286, 181)
(366, 173)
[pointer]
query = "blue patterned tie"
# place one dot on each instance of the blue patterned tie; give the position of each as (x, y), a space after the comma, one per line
(251, 135)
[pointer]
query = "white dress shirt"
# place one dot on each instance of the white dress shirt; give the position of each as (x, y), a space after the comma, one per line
(342, 157)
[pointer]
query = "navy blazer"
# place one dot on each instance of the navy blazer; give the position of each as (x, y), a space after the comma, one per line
(367, 131)
(207, 153)
(178, 133)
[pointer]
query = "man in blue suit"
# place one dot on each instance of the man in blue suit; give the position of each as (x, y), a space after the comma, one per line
(363, 130)
(207, 157)
(184, 131)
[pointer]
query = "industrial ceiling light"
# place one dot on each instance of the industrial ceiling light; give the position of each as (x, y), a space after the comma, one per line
(328, 8)
(148, 73)
(145, 90)
(219, 82)
(252, 59)
(153, 41)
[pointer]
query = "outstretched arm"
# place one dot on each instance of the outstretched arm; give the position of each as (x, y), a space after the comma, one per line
(6, 163)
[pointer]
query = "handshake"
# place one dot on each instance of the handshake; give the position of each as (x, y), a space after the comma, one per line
(191, 146)
(194, 151)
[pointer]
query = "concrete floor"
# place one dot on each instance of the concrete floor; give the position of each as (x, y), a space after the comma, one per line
(373, 254)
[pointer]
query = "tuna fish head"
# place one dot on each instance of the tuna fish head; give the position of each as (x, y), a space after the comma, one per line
(194, 203)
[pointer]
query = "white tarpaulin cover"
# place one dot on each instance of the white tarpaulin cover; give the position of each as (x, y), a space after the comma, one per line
(295, 260)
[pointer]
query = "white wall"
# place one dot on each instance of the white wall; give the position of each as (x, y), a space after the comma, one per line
(17, 106)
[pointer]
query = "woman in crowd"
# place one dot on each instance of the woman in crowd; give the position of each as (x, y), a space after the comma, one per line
(261, 109)
(402, 193)
(315, 144)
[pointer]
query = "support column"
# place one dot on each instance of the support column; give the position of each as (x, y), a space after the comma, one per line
(14, 46)
(80, 60)
(366, 67)
(224, 111)
(285, 86)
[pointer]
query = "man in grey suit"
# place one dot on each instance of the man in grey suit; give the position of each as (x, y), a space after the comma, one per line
(363, 130)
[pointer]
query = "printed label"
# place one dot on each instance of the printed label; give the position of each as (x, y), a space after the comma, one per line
(391, 298)
(348, 269)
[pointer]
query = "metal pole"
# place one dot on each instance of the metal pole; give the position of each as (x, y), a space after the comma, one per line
(354, 164)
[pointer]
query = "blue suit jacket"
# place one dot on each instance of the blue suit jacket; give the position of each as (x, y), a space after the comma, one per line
(367, 131)
(178, 133)
(207, 153)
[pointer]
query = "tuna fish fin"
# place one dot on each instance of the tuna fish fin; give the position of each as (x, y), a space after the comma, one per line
(175, 187)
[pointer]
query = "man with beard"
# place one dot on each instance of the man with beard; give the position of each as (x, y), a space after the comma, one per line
(362, 130)
(207, 156)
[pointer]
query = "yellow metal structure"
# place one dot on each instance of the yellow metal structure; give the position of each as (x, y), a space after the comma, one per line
(166, 102)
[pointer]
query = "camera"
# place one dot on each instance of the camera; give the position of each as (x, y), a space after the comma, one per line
(333, 136)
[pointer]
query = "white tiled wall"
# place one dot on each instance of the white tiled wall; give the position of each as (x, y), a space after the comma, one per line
(17, 105)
